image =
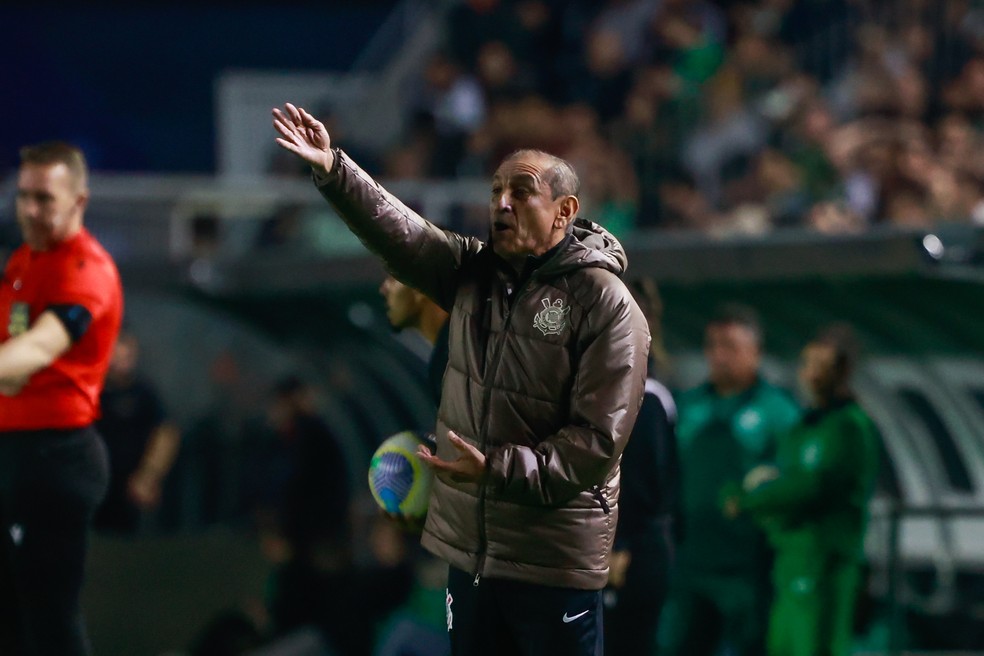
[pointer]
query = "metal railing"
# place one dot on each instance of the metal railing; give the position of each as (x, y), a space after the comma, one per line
(895, 566)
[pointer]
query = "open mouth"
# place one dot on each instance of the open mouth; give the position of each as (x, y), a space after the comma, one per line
(501, 226)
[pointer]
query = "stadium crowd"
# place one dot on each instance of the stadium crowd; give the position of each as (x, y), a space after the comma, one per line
(723, 116)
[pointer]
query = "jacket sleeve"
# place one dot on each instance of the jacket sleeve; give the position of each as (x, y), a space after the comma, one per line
(823, 472)
(605, 399)
(415, 251)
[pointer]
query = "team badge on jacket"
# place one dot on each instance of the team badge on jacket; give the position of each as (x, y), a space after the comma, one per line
(552, 319)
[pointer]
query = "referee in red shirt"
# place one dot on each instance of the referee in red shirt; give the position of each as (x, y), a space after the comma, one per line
(61, 303)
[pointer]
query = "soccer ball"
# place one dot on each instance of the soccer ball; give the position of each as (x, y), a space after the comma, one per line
(400, 483)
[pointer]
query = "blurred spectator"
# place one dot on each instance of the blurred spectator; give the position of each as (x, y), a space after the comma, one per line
(283, 229)
(206, 476)
(681, 204)
(206, 235)
(610, 190)
(301, 501)
(726, 427)
(299, 482)
(501, 75)
(448, 104)
(833, 218)
(343, 597)
(142, 443)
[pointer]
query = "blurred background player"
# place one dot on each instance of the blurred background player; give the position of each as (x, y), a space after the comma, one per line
(408, 308)
(142, 442)
(727, 427)
(61, 304)
(418, 627)
(813, 504)
(645, 540)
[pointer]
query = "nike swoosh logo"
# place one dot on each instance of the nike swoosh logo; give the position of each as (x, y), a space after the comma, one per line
(568, 620)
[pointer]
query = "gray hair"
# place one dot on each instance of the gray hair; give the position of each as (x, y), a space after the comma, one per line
(560, 175)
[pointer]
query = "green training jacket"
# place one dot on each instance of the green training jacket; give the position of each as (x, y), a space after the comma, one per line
(828, 465)
(720, 439)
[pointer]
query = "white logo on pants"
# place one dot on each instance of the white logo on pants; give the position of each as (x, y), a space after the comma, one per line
(447, 608)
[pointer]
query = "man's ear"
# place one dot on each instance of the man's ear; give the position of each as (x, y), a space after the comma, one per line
(83, 201)
(568, 210)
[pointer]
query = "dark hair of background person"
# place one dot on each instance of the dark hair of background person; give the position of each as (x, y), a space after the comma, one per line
(650, 301)
(847, 347)
(738, 314)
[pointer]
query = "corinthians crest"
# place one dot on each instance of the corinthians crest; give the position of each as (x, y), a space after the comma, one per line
(552, 318)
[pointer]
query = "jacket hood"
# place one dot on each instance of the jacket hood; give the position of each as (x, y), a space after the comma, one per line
(592, 246)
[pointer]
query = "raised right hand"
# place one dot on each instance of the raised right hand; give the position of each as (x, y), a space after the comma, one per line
(305, 136)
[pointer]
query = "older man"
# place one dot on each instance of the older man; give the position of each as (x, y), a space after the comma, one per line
(545, 377)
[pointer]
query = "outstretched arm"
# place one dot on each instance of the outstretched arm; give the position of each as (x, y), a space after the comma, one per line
(305, 136)
(415, 251)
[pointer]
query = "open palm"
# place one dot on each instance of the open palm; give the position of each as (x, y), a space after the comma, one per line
(303, 135)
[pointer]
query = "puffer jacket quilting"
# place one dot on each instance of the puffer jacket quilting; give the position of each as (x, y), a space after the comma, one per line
(546, 380)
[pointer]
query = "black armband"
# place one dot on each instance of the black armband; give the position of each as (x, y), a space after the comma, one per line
(75, 318)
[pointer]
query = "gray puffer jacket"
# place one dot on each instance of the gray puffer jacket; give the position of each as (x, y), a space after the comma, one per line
(545, 379)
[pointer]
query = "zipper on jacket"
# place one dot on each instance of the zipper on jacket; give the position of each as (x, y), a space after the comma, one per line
(486, 400)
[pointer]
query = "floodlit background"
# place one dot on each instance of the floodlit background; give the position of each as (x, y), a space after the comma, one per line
(816, 159)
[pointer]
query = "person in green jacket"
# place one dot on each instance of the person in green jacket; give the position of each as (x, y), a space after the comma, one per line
(727, 426)
(813, 504)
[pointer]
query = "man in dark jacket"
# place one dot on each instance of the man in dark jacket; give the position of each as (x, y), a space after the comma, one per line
(645, 542)
(545, 377)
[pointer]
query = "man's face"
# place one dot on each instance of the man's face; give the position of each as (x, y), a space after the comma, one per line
(818, 370)
(402, 303)
(50, 204)
(732, 354)
(526, 219)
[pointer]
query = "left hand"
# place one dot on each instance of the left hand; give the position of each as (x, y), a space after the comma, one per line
(468, 466)
(144, 489)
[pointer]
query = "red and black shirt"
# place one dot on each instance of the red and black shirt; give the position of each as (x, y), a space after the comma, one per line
(77, 273)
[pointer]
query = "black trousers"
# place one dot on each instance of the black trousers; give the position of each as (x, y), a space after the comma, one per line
(50, 485)
(505, 618)
(632, 612)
